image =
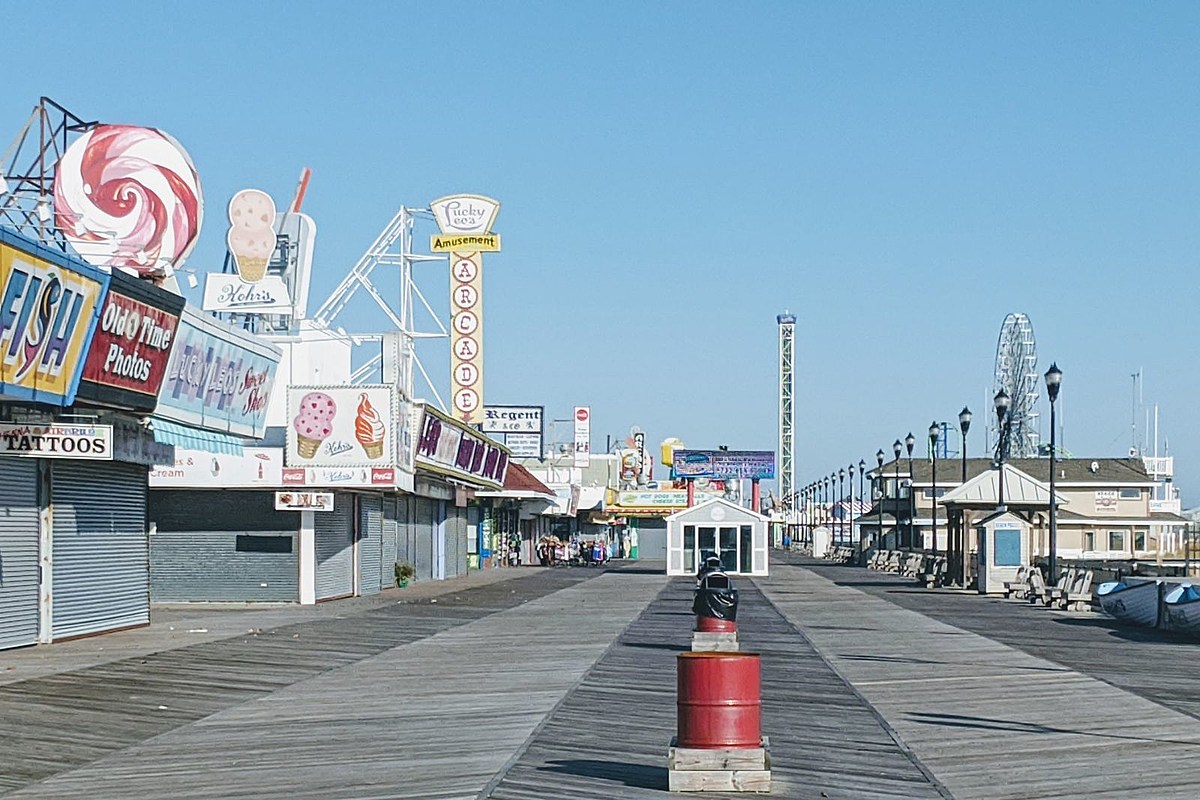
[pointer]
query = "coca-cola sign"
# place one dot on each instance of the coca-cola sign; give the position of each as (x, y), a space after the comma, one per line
(131, 346)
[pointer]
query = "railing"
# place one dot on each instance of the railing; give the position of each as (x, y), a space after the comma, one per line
(1161, 467)
(1170, 506)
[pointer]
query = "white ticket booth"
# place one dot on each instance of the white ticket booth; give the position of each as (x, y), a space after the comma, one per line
(1003, 549)
(737, 535)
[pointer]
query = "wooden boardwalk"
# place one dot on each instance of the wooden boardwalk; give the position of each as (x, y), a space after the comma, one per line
(1159, 666)
(990, 720)
(560, 685)
(609, 738)
(56, 724)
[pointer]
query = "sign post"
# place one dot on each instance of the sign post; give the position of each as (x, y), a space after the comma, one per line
(465, 222)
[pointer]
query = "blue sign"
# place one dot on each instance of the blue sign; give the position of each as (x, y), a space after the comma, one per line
(218, 378)
(723, 464)
(49, 304)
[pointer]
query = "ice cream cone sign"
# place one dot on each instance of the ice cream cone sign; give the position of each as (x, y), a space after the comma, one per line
(251, 236)
(313, 422)
(369, 428)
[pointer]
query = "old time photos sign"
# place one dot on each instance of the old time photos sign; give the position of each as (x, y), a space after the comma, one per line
(465, 222)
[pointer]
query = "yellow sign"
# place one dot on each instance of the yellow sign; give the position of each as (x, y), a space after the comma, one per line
(465, 243)
(47, 314)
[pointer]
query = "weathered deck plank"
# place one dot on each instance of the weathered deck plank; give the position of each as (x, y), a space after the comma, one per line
(609, 739)
(990, 721)
(62, 721)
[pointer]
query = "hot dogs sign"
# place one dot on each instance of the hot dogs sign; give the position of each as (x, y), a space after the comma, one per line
(342, 426)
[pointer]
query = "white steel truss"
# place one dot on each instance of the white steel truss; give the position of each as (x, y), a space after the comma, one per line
(393, 247)
(787, 392)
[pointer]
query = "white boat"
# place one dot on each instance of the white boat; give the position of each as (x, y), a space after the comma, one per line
(1181, 609)
(1135, 603)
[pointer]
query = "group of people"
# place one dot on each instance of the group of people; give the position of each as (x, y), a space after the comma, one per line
(552, 551)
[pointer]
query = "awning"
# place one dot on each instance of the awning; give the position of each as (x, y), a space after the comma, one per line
(166, 432)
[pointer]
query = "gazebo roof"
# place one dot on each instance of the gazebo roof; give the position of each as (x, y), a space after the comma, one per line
(983, 491)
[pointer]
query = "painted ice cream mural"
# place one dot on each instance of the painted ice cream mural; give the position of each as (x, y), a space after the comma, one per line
(313, 422)
(369, 428)
(251, 236)
(128, 197)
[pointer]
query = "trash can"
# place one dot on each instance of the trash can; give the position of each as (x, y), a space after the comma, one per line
(715, 603)
(718, 700)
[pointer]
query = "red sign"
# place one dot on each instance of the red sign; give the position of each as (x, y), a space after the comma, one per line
(127, 360)
(293, 477)
(383, 476)
(581, 414)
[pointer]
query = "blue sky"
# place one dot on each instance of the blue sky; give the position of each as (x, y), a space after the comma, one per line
(673, 175)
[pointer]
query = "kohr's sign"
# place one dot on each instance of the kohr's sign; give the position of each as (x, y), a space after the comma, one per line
(217, 378)
(48, 310)
(131, 346)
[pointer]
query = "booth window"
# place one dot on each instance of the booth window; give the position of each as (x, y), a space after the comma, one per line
(1131, 494)
(689, 548)
(746, 554)
(1139, 540)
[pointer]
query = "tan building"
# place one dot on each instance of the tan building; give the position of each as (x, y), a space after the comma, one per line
(1108, 508)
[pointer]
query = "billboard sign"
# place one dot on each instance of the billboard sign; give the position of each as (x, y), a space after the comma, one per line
(128, 197)
(342, 426)
(524, 445)
(724, 464)
(200, 469)
(48, 310)
(128, 356)
(303, 501)
(583, 435)
(465, 222)
(512, 419)
(54, 440)
(218, 378)
(448, 447)
(229, 293)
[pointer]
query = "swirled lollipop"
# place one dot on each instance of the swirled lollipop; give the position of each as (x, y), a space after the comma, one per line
(128, 197)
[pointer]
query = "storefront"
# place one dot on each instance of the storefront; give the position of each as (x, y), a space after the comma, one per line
(453, 463)
(517, 522)
(73, 544)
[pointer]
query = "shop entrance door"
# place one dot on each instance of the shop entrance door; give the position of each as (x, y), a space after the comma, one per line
(722, 541)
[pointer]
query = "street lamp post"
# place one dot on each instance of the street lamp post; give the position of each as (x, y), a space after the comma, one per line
(825, 503)
(933, 443)
(850, 469)
(909, 441)
(964, 425)
(862, 498)
(1002, 401)
(879, 474)
(897, 448)
(1053, 383)
(841, 498)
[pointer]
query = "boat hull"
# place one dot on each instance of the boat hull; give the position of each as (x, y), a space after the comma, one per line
(1134, 603)
(1181, 609)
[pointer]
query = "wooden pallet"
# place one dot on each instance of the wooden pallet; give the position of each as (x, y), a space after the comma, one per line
(725, 769)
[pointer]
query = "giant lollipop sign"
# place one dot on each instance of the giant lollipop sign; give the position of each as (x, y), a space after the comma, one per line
(128, 197)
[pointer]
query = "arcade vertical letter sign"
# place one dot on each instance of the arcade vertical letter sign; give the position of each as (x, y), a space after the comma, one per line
(465, 222)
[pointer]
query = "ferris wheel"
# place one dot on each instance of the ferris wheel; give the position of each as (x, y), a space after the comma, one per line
(1016, 374)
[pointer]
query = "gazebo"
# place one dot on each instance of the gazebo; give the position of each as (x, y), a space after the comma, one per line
(1004, 498)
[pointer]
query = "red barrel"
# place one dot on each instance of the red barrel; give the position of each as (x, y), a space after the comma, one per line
(714, 625)
(719, 702)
